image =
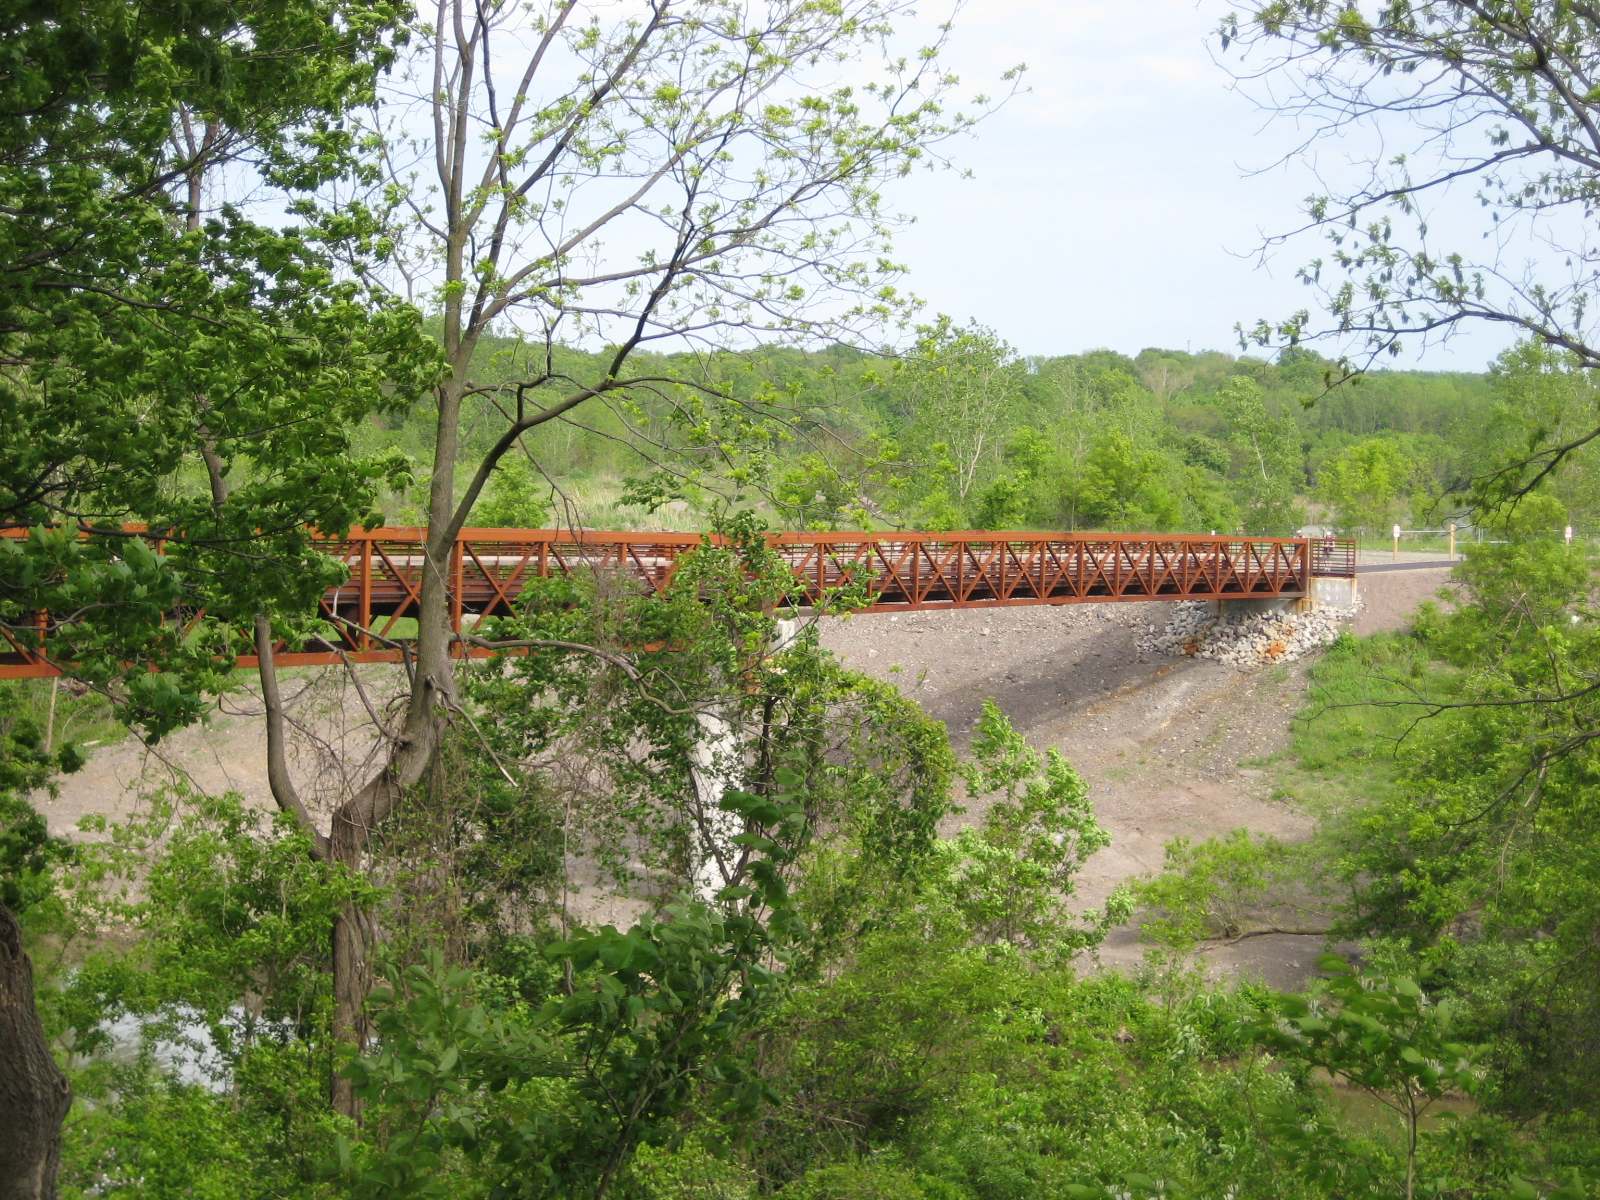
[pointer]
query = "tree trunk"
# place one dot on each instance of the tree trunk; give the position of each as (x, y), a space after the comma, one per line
(34, 1094)
(353, 825)
(433, 695)
(351, 983)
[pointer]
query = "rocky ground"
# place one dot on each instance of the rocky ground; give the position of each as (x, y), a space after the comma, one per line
(1251, 636)
(1166, 740)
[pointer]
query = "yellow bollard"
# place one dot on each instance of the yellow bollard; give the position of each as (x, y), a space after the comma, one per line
(1452, 541)
(1397, 543)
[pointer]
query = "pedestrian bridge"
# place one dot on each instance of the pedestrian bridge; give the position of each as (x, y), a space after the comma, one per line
(488, 569)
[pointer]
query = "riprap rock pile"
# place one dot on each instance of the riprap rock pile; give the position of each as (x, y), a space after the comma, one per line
(1244, 639)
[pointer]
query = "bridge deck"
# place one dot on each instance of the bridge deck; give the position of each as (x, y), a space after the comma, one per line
(900, 571)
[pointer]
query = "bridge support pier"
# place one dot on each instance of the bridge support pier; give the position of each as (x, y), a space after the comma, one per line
(1333, 591)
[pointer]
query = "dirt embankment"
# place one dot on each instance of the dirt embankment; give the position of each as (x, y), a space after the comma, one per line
(1165, 743)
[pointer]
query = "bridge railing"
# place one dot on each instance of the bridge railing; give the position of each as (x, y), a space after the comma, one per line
(489, 568)
(1333, 558)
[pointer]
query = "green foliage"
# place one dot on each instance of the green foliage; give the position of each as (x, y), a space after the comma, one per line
(818, 996)
(201, 942)
(1453, 773)
(1121, 486)
(1002, 505)
(1389, 273)
(1536, 515)
(1363, 484)
(1210, 890)
(876, 770)
(1010, 878)
(958, 389)
(843, 1020)
(1485, 840)
(653, 1015)
(850, 455)
(517, 499)
(944, 1069)
(190, 370)
(29, 854)
(1268, 445)
(1544, 396)
(869, 1179)
(126, 603)
(226, 902)
(1385, 1036)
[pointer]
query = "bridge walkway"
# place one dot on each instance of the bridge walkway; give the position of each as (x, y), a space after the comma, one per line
(489, 568)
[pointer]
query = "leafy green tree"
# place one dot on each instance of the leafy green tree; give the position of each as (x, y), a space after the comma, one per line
(1214, 889)
(654, 1013)
(511, 1072)
(1542, 394)
(1384, 1036)
(1481, 851)
(1508, 85)
(153, 345)
(1207, 505)
(1123, 486)
(517, 498)
(169, 361)
(1002, 505)
(27, 850)
(1023, 493)
(34, 1093)
(1534, 517)
(1268, 473)
(1364, 485)
(648, 819)
(959, 391)
(935, 1068)
(217, 958)
(1011, 877)
(675, 176)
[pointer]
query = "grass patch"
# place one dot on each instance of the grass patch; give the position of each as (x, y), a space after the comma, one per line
(1343, 743)
(79, 715)
(400, 629)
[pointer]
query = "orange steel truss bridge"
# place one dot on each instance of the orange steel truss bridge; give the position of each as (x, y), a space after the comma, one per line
(900, 571)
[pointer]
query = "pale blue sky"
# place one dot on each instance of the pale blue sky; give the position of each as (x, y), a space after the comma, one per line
(1114, 205)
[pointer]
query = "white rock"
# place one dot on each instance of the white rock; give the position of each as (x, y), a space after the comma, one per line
(1244, 638)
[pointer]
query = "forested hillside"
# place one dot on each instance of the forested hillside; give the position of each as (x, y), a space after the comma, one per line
(958, 431)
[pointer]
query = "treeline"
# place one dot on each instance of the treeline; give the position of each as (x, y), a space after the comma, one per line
(960, 432)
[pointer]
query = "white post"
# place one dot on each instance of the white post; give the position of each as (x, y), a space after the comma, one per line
(1397, 543)
(717, 762)
(1452, 541)
(1569, 535)
(50, 721)
(788, 629)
